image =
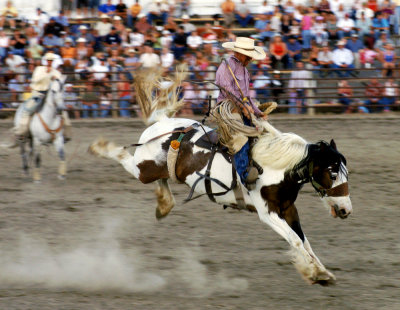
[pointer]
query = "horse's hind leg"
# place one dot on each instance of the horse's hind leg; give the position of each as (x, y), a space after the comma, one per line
(165, 199)
(37, 161)
(24, 156)
(62, 167)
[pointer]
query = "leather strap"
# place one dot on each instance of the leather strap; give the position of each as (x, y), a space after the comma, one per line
(52, 132)
(207, 181)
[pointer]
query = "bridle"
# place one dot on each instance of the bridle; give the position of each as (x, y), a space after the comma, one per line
(337, 191)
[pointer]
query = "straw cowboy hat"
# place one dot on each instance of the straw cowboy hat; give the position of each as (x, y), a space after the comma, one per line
(246, 47)
(50, 56)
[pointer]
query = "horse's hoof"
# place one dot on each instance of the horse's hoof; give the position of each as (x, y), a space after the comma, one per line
(325, 279)
(61, 177)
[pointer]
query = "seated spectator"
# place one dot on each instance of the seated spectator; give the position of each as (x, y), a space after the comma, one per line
(42, 19)
(167, 59)
(366, 11)
(81, 68)
(8, 14)
(195, 97)
(373, 93)
(68, 53)
(82, 7)
(331, 26)
(381, 43)
(388, 60)
(103, 26)
(355, 45)
(120, 27)
(323, 7)
(142, 25)
(345, 93)
(51, 42)
(149, 59)
(133, 13)
(187, 26)
(260, 84)
(275, 21)
(194, 41)
(380, 24)
(325, 60)
(343, 59)
(107, 8)
(62, 19)
(265, 7)
(136, 39)
(345, 27)
(181, 7)
(15, 62)
(18, 43)
(368, 57)
(83, 49)
(170, 25)
(179, 44)
(299, 83)
(71, 101)
(261, 26)
(228, 12)
(158, 10)
(90, 100)
(53, 27)
(124, 95)
(105, 102)
(391, 93)
(100, 71)
(112, 40)
(306, 25)
(242, 14)
(67, 6)
(279, 52)
(121, 10)
(85, 34)
(75, 28)
(4, 45)
(363, 25)
(294, 50)
(318, 31)
(131, 61)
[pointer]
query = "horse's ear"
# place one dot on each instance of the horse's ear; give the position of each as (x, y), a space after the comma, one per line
(333, 144)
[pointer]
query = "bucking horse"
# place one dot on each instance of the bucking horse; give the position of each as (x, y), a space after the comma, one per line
(187, 152)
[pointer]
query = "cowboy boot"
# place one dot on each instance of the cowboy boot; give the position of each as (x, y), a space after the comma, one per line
(251, 178)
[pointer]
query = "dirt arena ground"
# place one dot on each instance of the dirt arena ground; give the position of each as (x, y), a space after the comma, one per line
(92, 241)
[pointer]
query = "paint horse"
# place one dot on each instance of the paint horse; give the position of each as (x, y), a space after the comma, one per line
(287, 162)
(46, 126)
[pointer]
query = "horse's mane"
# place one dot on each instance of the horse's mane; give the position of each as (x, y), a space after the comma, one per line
(279, 150)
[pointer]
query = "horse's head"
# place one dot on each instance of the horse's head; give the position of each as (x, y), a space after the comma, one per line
(57, 92)
(328, 175)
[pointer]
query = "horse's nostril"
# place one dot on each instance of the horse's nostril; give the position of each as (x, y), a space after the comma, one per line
(342, 211)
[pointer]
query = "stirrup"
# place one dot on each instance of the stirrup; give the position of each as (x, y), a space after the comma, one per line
(251, 178)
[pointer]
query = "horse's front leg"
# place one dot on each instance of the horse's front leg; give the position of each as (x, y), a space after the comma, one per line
(36, 147)
(59, 146)
(24, 157)
(285, 221)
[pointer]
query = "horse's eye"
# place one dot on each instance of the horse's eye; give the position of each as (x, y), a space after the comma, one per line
(334, 175)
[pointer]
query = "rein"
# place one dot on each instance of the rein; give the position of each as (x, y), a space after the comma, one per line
(52, 132)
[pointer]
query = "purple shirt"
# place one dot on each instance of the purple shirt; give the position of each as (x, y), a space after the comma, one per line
(224, 78)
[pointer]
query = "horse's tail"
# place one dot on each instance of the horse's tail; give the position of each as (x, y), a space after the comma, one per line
(107, 149)
(158, 96)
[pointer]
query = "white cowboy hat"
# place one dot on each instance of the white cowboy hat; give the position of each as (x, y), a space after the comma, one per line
(104, 16)
(341, 42)
(83, 27)
(246, 47)
(116, 17)
(81, 40)
(185, 16)
(49, 56)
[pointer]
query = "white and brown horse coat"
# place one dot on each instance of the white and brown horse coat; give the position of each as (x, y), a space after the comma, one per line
(285, 161)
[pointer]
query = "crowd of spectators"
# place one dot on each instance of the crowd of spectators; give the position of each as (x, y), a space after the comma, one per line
(105, 42)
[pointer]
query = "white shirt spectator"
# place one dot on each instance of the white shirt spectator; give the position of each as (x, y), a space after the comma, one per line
(325, 57)
(14, 61)
(100, 70)
(368, 13)
(157, 9)
(342, 56)
(166, 40)
(103, 28)
(261, 81)
(149, 60)
(188, 27)
(275, 23)
(334, 5)
(265, 8)
(346, 24)
(136, 39)
(4, 41)
(167, 60)
(194, 41)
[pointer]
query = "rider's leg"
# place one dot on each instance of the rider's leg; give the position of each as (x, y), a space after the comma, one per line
(67, 126)
(29, 108)
(248, 175)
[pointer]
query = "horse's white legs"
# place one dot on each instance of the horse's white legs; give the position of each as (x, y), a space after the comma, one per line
(165, 199)
(62, 167)
(306, 262)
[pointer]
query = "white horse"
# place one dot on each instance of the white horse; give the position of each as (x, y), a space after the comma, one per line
(46, 126)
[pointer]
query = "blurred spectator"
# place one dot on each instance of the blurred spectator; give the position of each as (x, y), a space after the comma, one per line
(260, 84)
(325, 60)
(279, 52)
(179, 44)
(42, 19)
(388, 60)
(100, 70)
(294, 50)
(182, 7)
(195, 97)
(121, 10)
(373, 92)
(142, 25)
(120, 27)
(170, 25)
(18, 43)
(83, 33)
(345, 93)
(396, 26)
(136, 38)
(391, 93)
(82, 7)
(242, 14)
(334, 5)
(149, 59)
(8, 14)
(53, 27)
(71, 101)
(133, 13)
(107, 8)
(74, 28)
(368, 57)
(68, 53)
(81, 68)
(67, 6)
(298, 84)
(306, 24)
(331, 26)
(380, 24)
(366, 11)
(15, 88)
(104, 25)
(187, 26)
(167, 59)
(318, 31)
(363, 25)
(275, 22)
(381, 43)
(4, 45)
(158, 10)
(194, 41)
(90, 100)
(131, 61)
(355, 45)
(82, 49)
(265, 7)
(52, 43)
(263, 28)
(62, 19)
(345, 26)
(373, 5)
(343, 59)
(94, 6)
(341, 12)
(228, 11)
(124, 95)
(105, 102)
(323, 7)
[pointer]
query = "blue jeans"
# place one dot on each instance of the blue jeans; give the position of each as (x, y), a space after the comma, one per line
(342, 34)
(152, 17)
(85, 113)
(124, 103)
(306, 35)
(387, 101)
(243, 21)
(396, 19)
(105, 110)
(343, 73)
(242, 157)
